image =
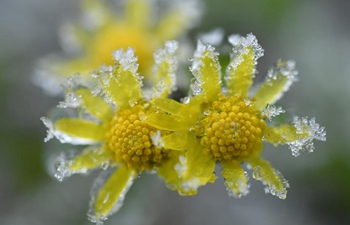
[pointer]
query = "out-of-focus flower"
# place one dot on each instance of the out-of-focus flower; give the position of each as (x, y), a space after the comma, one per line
(139, 24)
(228, 125)
(109, 120)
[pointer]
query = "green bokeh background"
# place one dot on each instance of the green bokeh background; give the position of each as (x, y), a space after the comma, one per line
(314, 33)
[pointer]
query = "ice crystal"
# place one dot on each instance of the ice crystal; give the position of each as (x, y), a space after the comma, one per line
(240, 45)
(63, 163)
(202, 51)
(271, 111)
(126, 59)
(314, 131)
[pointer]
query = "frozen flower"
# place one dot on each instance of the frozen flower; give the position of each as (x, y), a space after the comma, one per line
(221, 122)
(109, 122)
(136, 23)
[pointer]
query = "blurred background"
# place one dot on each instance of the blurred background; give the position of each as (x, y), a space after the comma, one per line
(314, 33)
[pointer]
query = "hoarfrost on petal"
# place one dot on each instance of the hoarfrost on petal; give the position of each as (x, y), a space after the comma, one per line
(181, 167)
(195, 87)
(270, 188)
(243, 187)
(286, 69)
(62, 166)
(240, 45)
(126, 59)
(314, 131)
(157, 139)
(271, 111)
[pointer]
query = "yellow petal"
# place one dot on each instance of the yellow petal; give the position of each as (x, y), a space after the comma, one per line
(236, 179)
(110, 197)
(278, 81)
(137, 13)
(171, 106)
(283, 134)
(165, 69)
(197, 168)
(175, 141)
(89, 159)
(82, 129)
(240, 72)
(95, 105)
(164, 121)
(206, 69)
(123, 85)
(271, 178)
(168, 172)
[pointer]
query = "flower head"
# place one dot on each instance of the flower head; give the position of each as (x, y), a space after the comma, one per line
(109, 121)
(101, 30)
(226, 124)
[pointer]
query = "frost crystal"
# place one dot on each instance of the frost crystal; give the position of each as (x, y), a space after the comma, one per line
(126, 59)
(272, 111)
(63, 164)
(181, 167)
(313, 129)
(157, 139)
(240, 45)
(243, 187)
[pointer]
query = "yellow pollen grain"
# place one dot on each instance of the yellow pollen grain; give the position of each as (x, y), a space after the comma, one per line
(233, 130)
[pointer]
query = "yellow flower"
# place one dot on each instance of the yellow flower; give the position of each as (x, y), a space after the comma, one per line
(227, 125)
(109, 120)
(103, 30)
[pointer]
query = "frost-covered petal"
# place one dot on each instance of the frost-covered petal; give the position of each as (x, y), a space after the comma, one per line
(108, 193)
(121, 83)
(165, 69)
(241, 69)
(82, 129)
(298, 137)
(90, 158)
(206, 69)
(168, 172)
(271, 178)
(236, 179)
(196, 169)
(175, 141)
(278, 81)
(95, 105)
